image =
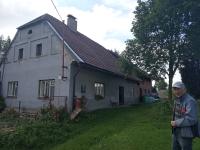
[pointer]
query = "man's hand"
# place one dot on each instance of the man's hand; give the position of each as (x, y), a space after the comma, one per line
(173, 123)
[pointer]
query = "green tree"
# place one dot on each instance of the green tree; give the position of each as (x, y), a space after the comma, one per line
(190, 73)
(162, 32)
(161, 85)
(4, 43)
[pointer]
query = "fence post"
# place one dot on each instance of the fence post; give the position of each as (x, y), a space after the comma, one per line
(50, 103)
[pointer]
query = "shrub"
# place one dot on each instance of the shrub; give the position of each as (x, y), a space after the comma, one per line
(27, 136)
(53, 114)
(9, 113)
(166, 107)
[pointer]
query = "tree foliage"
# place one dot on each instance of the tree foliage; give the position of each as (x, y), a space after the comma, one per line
(190, 73)
(161, 85)
(4, 43)
(163, 34)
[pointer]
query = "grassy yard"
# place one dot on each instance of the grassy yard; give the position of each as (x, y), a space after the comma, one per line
(139, 127)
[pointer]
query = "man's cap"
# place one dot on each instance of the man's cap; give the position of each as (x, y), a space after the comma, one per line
(178, 84)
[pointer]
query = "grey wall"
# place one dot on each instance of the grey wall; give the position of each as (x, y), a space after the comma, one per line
(89, 77)
(31, 69)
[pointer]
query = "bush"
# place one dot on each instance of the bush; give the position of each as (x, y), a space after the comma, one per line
(163, 108)
(53, 114)
(27, 132)
(9, 113)
(34, 136)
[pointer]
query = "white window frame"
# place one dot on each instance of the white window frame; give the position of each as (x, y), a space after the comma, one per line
(99, 89)
(12, 88)
(46, 88)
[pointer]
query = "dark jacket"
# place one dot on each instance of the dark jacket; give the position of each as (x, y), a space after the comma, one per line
(189, 115)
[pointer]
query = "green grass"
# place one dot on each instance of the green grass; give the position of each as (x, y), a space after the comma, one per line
(139, 127)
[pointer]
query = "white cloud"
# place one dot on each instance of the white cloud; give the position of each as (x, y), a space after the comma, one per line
(106, 24)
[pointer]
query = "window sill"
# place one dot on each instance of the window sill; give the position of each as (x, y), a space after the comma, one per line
(11, 97)
(48, 98)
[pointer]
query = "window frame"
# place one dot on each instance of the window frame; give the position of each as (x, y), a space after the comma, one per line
(99, 90)
(39, 49)
(46, 88)
(12, 89)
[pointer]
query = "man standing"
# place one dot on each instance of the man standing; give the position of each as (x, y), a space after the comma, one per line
(185, 114)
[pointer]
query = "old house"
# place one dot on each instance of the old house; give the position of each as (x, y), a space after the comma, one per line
(50, 62)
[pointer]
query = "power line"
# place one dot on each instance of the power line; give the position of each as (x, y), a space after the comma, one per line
(56, 10)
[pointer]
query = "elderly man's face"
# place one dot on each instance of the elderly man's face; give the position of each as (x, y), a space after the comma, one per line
(179, 92)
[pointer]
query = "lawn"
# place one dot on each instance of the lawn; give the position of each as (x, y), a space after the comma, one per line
(139, 127)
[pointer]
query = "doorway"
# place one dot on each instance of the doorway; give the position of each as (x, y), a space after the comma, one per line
(121, 95)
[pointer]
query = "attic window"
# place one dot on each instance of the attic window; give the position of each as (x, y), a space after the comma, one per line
(38, 49)
(30, 32)
(20, 54)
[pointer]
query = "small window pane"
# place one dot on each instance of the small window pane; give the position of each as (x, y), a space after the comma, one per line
(30, 32)
(38, 49)
(12, 88)
(99, 90)
(46, 88)
(20, 55)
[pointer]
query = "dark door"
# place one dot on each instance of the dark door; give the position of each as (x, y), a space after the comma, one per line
(121, 95)
(141, 95)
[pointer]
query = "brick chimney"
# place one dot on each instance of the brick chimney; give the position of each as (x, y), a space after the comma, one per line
(71, 22)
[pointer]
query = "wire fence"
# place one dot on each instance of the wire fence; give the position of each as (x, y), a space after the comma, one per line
(32, 107)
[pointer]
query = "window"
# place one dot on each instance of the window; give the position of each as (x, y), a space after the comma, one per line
(99, 90)
(38, 49)
(30, 32)
(12, 88)
(20, 55)
(46, 88)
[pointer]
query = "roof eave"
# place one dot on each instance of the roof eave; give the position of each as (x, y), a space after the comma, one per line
(110, 72)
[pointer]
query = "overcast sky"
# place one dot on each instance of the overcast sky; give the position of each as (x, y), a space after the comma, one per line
(108, 22)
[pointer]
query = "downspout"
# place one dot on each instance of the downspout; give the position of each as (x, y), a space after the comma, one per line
(63, 54)
(74, 82)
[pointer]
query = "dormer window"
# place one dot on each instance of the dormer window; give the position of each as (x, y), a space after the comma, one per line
(30, 32)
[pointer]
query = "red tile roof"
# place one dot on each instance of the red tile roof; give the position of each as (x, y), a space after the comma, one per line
(92, 53)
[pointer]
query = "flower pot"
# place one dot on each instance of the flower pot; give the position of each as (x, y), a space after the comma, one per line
(78, 103)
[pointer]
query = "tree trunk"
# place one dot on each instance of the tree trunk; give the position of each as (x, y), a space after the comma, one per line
(170, 87)
(171, 75)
